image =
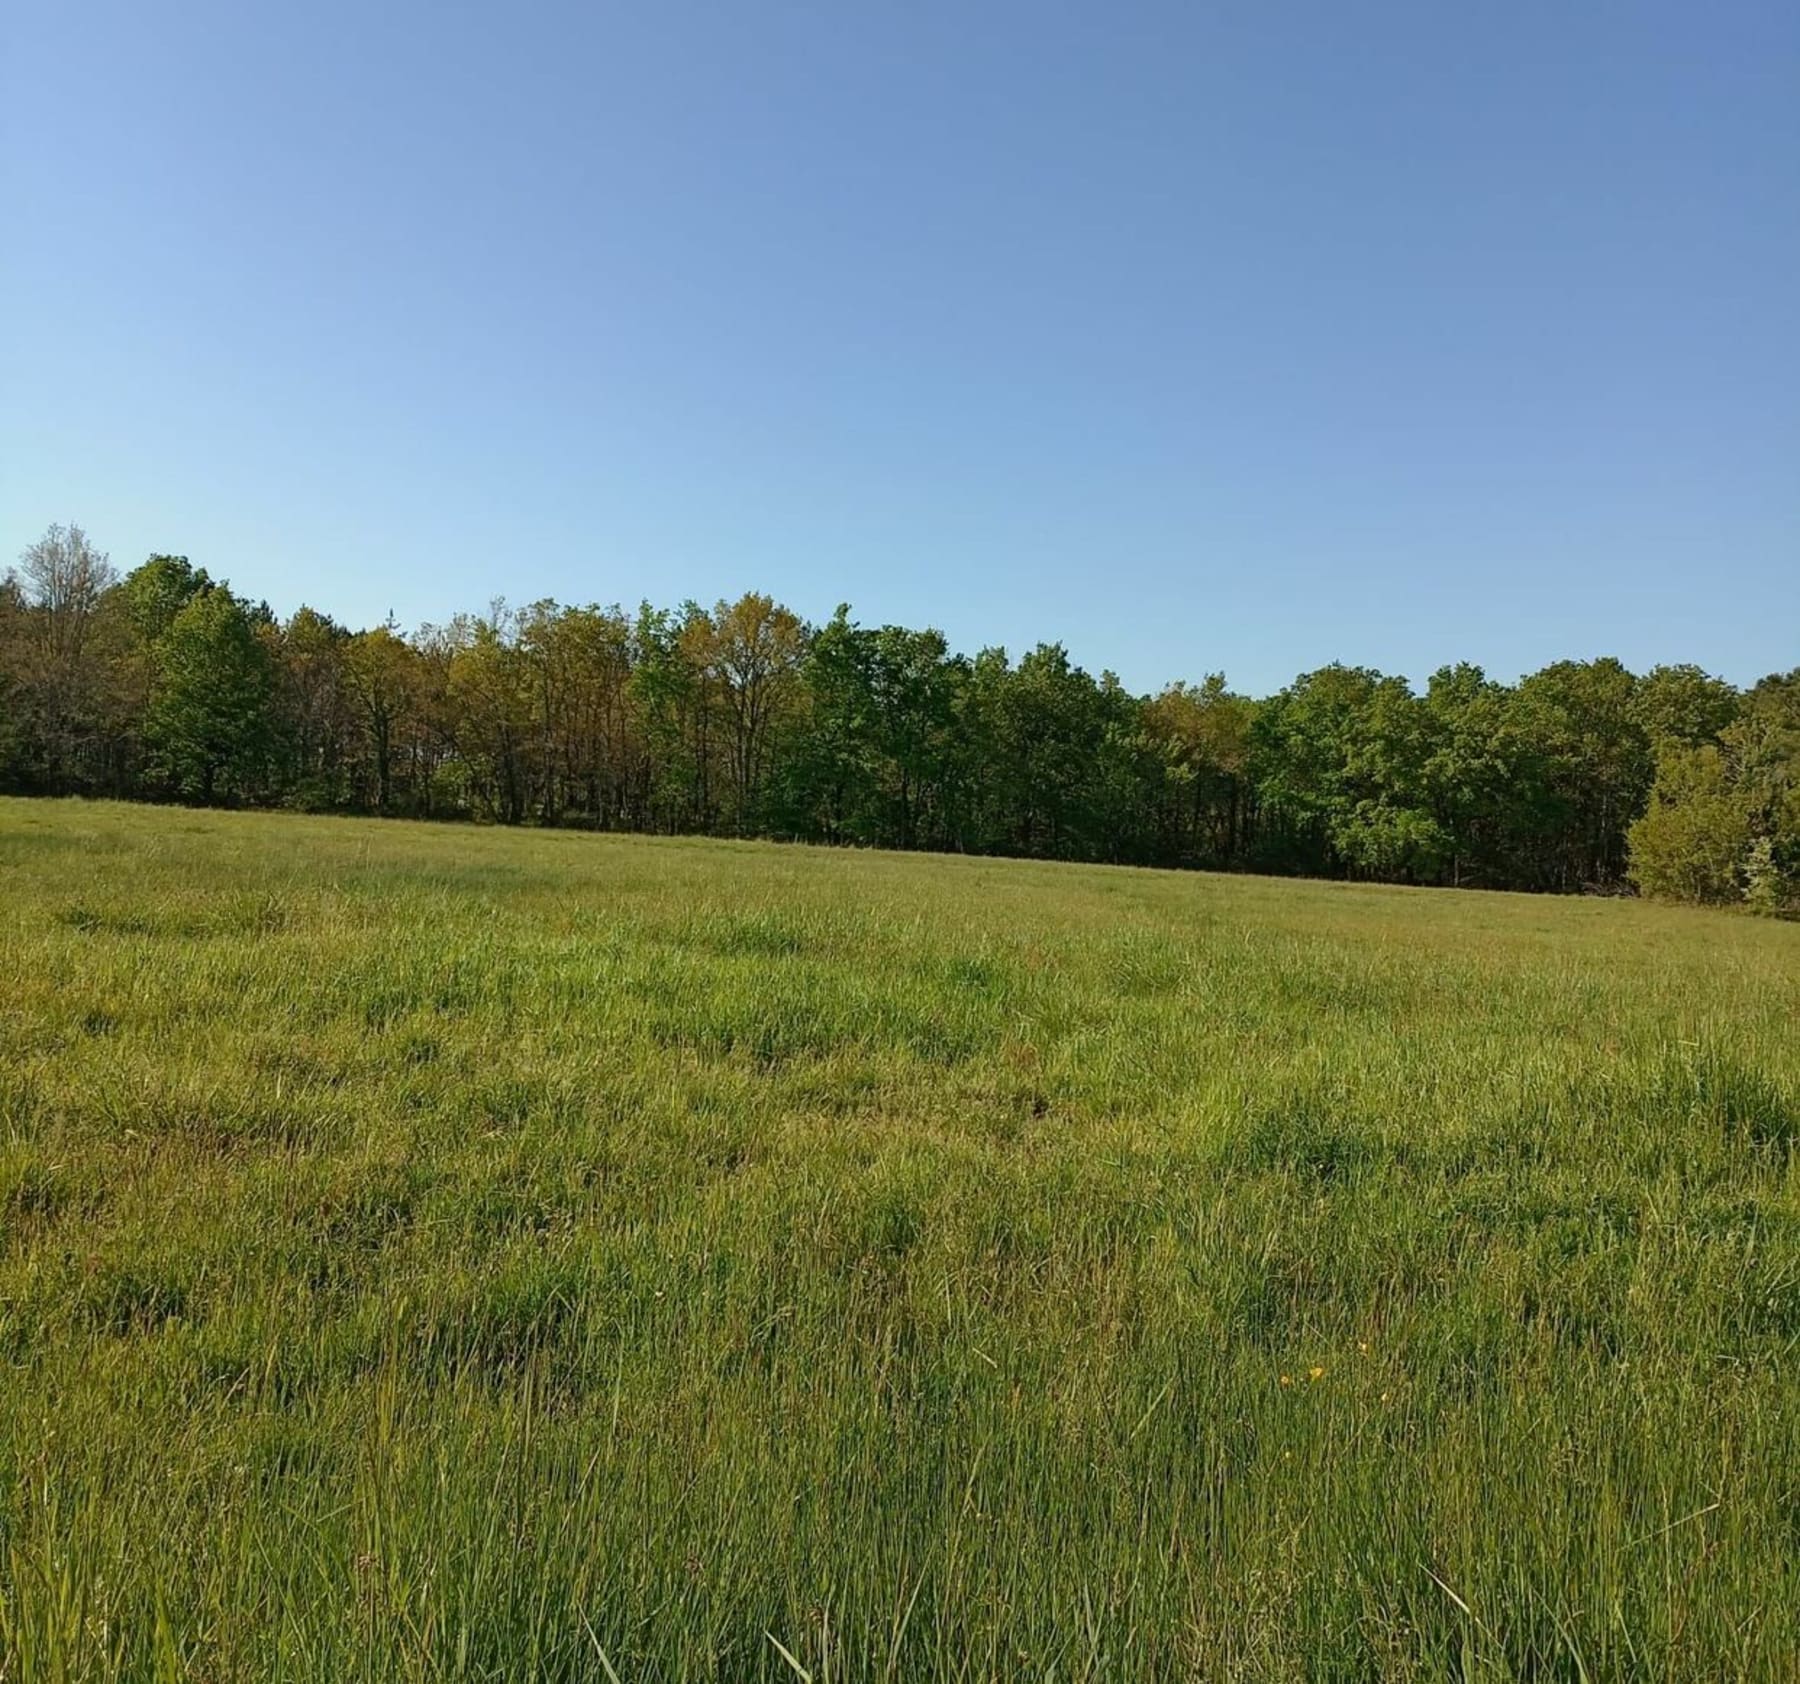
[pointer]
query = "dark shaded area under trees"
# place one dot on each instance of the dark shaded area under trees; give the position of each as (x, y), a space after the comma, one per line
(743, 720)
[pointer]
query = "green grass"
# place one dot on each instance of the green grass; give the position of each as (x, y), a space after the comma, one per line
(446, 1253)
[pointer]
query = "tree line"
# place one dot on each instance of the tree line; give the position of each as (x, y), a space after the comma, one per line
(744, 720)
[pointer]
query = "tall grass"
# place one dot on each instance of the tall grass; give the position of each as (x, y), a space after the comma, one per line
(449, 1254)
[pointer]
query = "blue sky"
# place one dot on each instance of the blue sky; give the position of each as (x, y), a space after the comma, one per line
(1241, 336)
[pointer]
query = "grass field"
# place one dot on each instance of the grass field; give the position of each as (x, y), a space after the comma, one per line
(445, 1253)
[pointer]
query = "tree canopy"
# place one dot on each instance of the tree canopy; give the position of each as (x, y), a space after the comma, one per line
(742, 719)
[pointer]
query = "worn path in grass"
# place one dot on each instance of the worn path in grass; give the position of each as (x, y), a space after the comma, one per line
(446, 1253)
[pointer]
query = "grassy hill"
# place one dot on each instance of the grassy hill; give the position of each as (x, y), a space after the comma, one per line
(445, 1253)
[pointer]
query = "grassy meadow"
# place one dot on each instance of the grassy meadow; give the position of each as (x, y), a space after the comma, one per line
(442, 1253)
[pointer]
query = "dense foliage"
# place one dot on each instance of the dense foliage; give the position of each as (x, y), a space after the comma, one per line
(744, 720)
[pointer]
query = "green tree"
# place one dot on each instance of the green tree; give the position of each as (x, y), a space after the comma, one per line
(911, 691)
(755, 657)
(580, 666)
(1683, 704)
(314, 703)
(874, 762)
(1763, 744)
(675, 697)
(1579, 720)
(154, 592)
(829, 785)
(1481, 784)
(1339, 762)
(379, 671)
(493, 709)
(210, 726)
(1207, 797)
(1693, 842)
(1037, 737)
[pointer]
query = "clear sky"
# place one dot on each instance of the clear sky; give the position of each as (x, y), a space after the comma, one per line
(1241, 336)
